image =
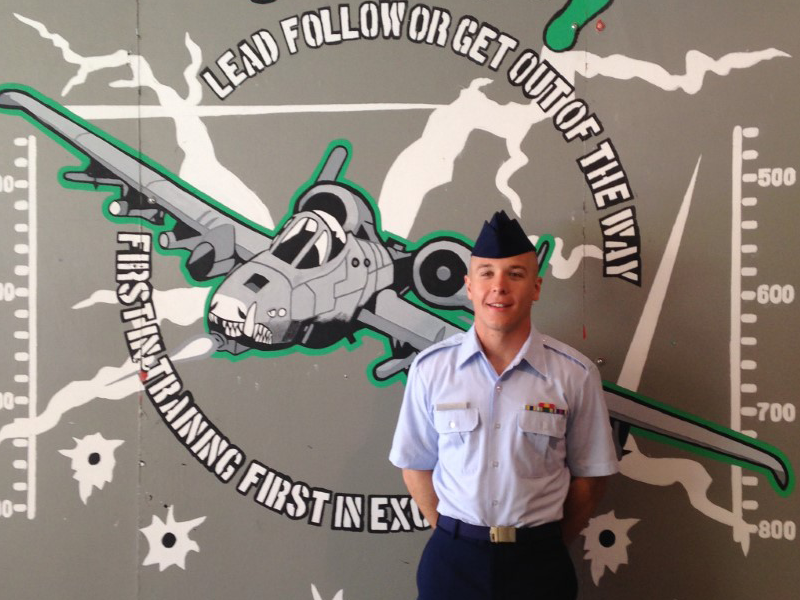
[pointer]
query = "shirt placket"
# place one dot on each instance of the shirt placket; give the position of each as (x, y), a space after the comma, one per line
(494, 466)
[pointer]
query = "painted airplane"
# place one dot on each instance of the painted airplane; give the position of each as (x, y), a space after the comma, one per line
(328, 273)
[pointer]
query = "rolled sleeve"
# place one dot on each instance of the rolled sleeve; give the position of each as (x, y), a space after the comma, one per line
(415, 444)
(590, 445)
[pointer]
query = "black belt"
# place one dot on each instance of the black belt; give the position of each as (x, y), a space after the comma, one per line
(499, 534)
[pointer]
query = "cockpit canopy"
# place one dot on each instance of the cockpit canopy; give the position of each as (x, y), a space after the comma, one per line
(309, 239)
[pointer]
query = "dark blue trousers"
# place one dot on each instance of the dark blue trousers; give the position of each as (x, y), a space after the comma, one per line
(454, 567)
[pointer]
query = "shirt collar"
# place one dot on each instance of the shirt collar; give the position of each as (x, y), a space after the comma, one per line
(470, 346)
(532, 351)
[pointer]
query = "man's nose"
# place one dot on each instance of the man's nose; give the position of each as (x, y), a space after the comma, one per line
(499, 283)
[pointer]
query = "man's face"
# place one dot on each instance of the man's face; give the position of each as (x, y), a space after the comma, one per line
(502, 290)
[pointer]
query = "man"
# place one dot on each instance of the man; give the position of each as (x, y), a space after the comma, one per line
(503, 439)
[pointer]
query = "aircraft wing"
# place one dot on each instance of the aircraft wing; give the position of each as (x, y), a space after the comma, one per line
(408, 326)
(655, 418)
(216, 240)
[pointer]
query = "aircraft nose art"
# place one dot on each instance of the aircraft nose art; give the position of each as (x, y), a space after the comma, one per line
(228, 314)
(251, 306)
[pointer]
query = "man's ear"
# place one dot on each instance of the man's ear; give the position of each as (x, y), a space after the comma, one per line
(537, 289)
(467, 282)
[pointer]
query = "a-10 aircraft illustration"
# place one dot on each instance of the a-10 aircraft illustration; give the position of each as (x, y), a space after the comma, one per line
(328, 272)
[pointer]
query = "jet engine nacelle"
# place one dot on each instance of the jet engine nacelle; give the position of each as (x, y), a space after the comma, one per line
(344, 204)
(438, 273)
(210, 255)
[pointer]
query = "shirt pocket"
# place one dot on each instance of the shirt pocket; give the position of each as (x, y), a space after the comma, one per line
(458, 420)
(542, 440)
(456, 430)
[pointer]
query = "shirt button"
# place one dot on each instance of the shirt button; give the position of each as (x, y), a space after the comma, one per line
(497, 425)
(495, 464)
(495, 503)
(498, 387)
(452, 424)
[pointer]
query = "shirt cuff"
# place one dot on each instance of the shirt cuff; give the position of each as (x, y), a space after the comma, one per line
(416, 463)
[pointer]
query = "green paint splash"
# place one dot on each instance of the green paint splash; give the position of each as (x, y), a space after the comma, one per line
(562, 30)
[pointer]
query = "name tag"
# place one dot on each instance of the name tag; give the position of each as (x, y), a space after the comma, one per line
(452, 406)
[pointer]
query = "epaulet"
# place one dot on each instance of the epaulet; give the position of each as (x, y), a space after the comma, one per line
(453, 340)
(568, 352)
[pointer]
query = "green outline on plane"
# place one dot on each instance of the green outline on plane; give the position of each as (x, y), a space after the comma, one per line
(459, 317)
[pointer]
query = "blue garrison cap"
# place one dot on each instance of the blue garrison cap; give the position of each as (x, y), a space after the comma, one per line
(501, 237)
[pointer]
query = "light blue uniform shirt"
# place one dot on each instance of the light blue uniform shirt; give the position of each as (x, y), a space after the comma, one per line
(495, 462)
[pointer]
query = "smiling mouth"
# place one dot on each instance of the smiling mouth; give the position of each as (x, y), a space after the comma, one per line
(235, 329)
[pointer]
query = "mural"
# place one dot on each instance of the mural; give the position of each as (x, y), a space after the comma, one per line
(189, 221)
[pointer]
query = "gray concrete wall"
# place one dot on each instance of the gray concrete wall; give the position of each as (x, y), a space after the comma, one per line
(662, 171)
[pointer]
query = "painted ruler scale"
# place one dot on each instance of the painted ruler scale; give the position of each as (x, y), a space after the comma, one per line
(18, 183)
(751, 184)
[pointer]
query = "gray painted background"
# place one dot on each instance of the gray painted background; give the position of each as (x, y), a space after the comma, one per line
(318, 418)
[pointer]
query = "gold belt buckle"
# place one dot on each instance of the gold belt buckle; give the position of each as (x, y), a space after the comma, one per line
(502, 534)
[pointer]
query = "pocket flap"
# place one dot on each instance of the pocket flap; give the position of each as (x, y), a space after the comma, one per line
(455, 421)
(551, 424)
